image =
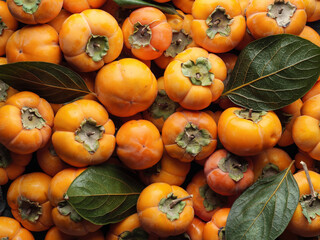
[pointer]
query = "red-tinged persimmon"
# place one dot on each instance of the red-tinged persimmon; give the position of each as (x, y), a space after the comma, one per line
(139, 144)
(189, 136)
(270, 17)
(218, 26)
(55, 234)
(195, 229)
(35, 12)
(138, 94)
(184, 5)
(10, 229)
(101, 39)
(77, 6)
(57, 22)
(27, 197)
(312, 92)
(215, 229)
(147, 33)
(245, 132)
(164, 209)
(25, 123)
(311, 35)
(194, 78)
(84, 133)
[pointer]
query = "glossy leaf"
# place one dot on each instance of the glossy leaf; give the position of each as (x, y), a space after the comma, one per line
(55, 83)
(273, 72)
(104, 194)
(264, 210)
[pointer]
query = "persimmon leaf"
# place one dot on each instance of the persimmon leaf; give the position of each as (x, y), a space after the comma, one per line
(273, 72)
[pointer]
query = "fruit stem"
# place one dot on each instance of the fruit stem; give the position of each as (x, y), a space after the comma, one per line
(305, 168)
(176, 201)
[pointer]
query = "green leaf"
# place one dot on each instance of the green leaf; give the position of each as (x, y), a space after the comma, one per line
(164, 7)
(104, 194)
(55, 83)
(264, 210)
(273, 72)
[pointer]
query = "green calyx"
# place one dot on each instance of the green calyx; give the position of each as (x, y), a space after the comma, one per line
(89, 134)
(218, 22)
(3, 26)
(254, 116)
(28, 6)
(234, 165)
(4, 238)
(3, 86)
(282, 12)
(180, 40)
(5, 158)
(135, 234)
(269, 170)
(29, 210)
(284, 118)
(97, 47)
(141, 36)
(310, 206)
(65, 209)
(222, 233)
(198, 72)
(211, 199)
(163, 106)
(193, 139)
(31, 118)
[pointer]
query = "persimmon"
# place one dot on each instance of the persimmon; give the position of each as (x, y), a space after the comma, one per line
(27, 197)
(189, 136)
(312, 92)
(195, 229)
(304, 157)
(77, 6)
(194, 78)
(310, 7)
(101, 39)
(3, 60)
(84, 133)
(139, 144)
(147, 33)
(215, 229)
(57, 22)
(164, 209)
(10, 229)
(247, 38)
(316, 14)
(5, 91)
(26, 122)
(243, 5)
(184, 5)
(55, 234)
(311, 35)
(218, 26)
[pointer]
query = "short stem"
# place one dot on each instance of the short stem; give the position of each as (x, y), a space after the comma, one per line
(176, 201)
(305, 168)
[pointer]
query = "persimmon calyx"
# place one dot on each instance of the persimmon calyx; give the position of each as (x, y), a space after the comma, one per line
(97, 47)
(198, 72)
(254, 116)
(310, 206)
(172, 206)
(163, 106)
(31, 118)
(284, 118)
(4, 238)
(141, 35)
(3, 26)
(137, 233)
(5, 158)
(269, 170)
(192, 139)
(211, 199)
(89, 134)
(282, 12)
(218, 22)
(29, 210)
(28, 6)
(65, 209)
(180, 40)
(222, 233)
(234, 165)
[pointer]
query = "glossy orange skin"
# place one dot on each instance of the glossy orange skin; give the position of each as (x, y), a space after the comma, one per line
(294, 110)
(161, 32)
(244, 4)
(244, 137)
(15, 168)
(10, 22)
(299, 223)
(57, 22)
(276, 156)
(173, 172)
(260, 25)
(68, 119)
(58, 187)
(139, 93)
(176, 123)
(311, 35)
(3, 60)
(184, 5)
(310, 7)
(55, 234)
(139, 144)
(201, 9)
(47, 10)
(34, 187)
(128, 224)
(12, 133)
(220, 181)
(180, 88)
(312, 92)
(316, 14)
(87, 23)
(34, 43)
(219, 220)
(11, 229)
(195, 229)
(155, 221)
(77, 6)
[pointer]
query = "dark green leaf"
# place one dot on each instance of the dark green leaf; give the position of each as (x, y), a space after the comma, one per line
(104, 194)
(55, 83)
(273, 72)
(264, 210)
(315, 25)
(165, 7)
